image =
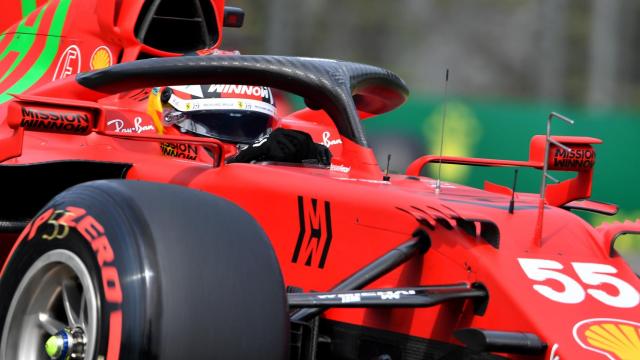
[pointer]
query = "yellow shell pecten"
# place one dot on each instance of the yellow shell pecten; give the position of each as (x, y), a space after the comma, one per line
(621, 340)
(100, 59)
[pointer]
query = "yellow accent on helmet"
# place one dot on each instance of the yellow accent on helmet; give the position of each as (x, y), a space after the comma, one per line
(155, 109)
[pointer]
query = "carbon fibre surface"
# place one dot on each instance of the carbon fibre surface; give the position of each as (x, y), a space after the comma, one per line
(331, 85)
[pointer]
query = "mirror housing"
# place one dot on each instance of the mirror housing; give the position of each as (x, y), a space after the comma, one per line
(233, 17)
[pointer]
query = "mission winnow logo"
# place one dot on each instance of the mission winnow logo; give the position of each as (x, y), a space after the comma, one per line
(55, 121)
(574, 159)
(314, 238)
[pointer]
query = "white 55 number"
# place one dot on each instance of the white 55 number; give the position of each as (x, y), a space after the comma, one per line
(593, 274)
(540, 270)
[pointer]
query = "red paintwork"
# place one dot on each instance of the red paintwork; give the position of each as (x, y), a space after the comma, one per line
(556, 194)
(611, 232)
(369, 216)
(603, 208)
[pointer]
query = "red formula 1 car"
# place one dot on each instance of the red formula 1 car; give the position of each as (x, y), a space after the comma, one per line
(109, 249)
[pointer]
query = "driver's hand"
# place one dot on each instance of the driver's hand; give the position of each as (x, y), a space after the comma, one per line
(285, 145)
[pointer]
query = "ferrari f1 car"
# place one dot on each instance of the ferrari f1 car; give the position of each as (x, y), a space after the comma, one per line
(109, 249)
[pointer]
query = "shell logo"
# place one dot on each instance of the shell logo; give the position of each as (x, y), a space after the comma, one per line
(613, 338)
(101, 58)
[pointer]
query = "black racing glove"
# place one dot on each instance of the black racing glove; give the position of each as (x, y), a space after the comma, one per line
(285, 145)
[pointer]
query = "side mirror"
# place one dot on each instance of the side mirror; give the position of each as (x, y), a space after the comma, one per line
(233, 17)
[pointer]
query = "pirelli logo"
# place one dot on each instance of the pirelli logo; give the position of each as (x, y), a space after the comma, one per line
(314, 238)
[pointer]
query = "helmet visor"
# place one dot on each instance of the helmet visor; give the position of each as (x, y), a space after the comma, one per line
(238, 126)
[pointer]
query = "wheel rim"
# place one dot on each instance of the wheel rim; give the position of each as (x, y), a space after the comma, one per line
(55, 293)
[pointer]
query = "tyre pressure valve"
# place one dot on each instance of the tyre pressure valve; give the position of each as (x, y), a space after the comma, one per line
(66, 344)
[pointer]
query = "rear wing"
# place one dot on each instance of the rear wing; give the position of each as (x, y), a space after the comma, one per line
(566, 153)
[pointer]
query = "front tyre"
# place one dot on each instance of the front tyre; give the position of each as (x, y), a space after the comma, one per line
(134, 270)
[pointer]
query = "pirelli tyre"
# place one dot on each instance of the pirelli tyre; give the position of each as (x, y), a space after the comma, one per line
(134, 270)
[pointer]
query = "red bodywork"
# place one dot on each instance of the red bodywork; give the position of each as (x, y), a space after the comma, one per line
(325, 224)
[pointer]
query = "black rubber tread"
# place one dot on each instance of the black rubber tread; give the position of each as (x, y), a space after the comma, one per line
(198, 275)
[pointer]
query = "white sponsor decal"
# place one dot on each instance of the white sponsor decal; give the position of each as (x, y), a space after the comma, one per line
(344, 298)
(222, 104)
(357, 297)
(326, 140)
(554, 350)
(591, 276)
(69, 63)
(138, 127)
(340, 168)
(261, 91)
(195, 90)
(389, 294)
(349, 298)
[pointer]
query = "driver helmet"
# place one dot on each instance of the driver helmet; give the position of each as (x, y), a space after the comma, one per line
(239, 114)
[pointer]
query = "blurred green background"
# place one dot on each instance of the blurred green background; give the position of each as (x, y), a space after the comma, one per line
(511, 63)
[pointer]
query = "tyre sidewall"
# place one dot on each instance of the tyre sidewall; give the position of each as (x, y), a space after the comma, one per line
(90, 232)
